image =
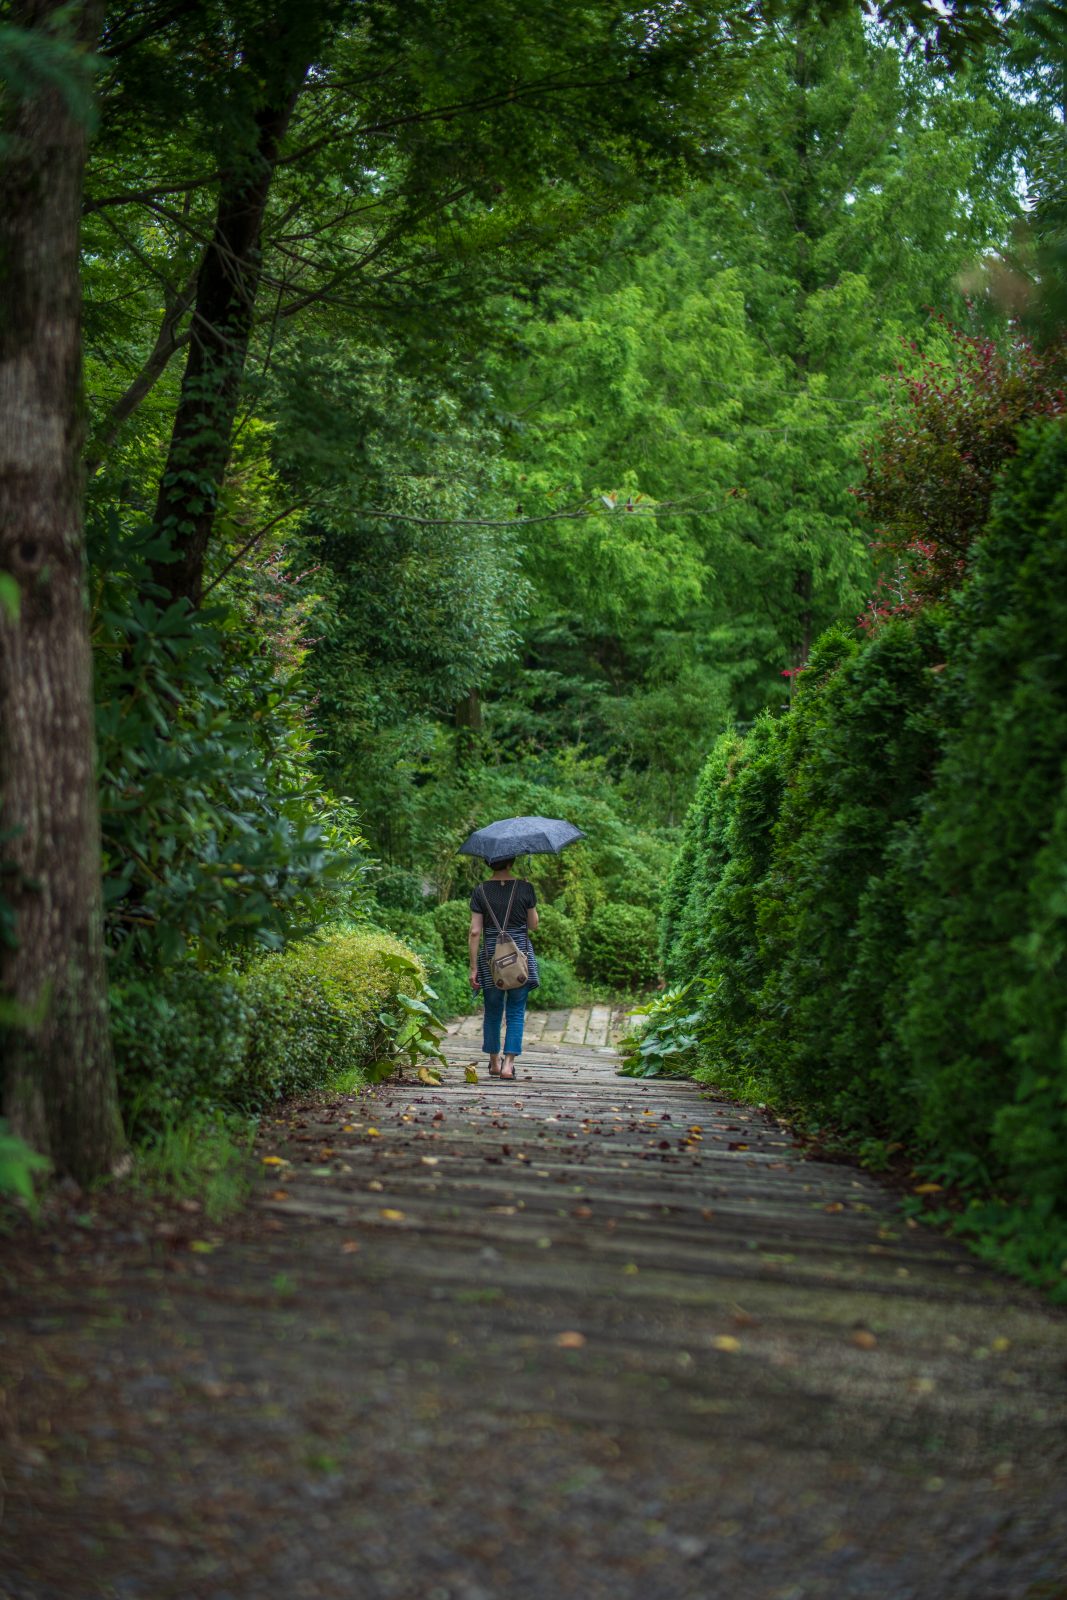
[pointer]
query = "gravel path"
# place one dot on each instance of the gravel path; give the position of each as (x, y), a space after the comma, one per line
(574, 1336)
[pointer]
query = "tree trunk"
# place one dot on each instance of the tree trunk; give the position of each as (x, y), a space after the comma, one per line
(59, 1085)
(218, 349)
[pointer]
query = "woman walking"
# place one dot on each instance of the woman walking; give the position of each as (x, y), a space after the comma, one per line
(503, 904)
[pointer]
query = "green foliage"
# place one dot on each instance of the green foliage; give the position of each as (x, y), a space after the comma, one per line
(200, 1155)
(556, 936)
(398, 889)
(871, 887)
(619, 946)
(18, 1164)
(666, 1043)
(413, 1028)
(984, 1005)
(216, 832)
(315, 1013)
(558, 988)
(452, 919)
(181, 1042)
(189, 1042)
(856, 758)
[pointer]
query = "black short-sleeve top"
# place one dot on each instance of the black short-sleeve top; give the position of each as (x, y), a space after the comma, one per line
(498, 895)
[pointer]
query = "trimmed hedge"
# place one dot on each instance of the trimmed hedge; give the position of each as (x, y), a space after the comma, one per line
(873, 885)
(238, 1040)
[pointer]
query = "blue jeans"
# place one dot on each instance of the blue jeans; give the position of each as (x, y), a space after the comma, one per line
(497, 1001)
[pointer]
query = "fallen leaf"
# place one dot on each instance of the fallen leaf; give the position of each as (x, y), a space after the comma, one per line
(391, 1215)
(864, 1339)
(571, 1340)
(927, 1188)
(372, 1133)
(582, 1211)
(470, 1074)
(280, 1194)
(202, 1247)
(727, 1343)
(430, 1161)
(350, 1247)
(631, 1269)
(274, 1161)
(835, 1205)
(376, 1185)
(1000, 1344)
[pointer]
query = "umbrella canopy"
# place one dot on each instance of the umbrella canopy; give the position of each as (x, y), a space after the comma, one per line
(521, 836)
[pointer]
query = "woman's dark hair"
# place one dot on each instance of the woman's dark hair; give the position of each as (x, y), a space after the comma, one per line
(502, 865)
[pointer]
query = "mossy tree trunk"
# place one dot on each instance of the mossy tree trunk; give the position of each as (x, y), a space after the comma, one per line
(59, 1085)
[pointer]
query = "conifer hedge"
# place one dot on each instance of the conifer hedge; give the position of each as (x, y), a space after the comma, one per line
(873, 885)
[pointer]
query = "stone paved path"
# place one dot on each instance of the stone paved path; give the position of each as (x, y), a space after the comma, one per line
(573, 1337)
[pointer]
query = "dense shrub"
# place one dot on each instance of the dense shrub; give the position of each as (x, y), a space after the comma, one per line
(984, 1012)
(237, 1040)
(619, 946)
(181, 1042)
(398, 888)
(558, 987)
(872, 888)
(556, 936)
(452, 920)
(416, 929)
(857, 754)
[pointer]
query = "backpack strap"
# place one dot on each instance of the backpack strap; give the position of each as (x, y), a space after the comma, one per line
(507, 913)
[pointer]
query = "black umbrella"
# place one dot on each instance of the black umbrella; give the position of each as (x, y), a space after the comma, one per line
(521, 836)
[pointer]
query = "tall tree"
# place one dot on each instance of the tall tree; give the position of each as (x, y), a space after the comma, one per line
(59, 1089)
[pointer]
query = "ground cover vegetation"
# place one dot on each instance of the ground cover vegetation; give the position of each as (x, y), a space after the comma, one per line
(474, 399)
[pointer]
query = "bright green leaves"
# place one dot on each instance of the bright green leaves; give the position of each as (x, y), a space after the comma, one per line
(416, 1036)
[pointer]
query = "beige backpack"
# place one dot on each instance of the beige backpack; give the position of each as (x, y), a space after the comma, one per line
(509, 967)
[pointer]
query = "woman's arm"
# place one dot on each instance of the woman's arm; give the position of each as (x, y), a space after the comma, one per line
(532, 918)
(474, 939)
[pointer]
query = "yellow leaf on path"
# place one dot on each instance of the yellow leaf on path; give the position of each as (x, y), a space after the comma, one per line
(571, 1340)
(835, 1205)
(202, 1247)
(927, 1188)
(727, 1343)
(390, 1215)
(376, 1185)
(432, 1079)
(470, 1074)
(274, 1161)
(864, 1339)
(372, 1133)
(1000, 1344)
(280, 1194)
(430, 1161)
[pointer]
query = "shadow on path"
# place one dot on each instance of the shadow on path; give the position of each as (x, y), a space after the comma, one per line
(576, 1336)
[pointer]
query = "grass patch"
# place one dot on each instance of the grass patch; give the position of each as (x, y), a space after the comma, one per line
(205, 1157)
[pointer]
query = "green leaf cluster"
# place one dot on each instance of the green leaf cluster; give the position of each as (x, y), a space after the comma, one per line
(871, 886)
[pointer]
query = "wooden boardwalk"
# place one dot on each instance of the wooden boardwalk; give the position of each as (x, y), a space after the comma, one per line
(569, 1338)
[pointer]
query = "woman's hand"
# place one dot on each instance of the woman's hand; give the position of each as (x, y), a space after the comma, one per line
(475, 980)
